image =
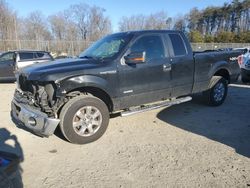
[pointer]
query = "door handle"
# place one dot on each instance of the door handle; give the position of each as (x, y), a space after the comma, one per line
(167, 67)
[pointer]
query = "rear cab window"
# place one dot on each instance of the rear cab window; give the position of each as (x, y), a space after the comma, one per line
(179, 47)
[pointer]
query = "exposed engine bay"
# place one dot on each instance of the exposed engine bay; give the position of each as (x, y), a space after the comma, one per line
(39, 95)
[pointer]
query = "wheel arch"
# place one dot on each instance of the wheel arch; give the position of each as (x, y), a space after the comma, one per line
(223, 72)
(94, 85)
(97, 92)
(221, 68)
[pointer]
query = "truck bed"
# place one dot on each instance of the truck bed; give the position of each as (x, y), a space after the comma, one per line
(207, 59)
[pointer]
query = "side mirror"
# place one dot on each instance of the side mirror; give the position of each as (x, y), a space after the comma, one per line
(135, 58)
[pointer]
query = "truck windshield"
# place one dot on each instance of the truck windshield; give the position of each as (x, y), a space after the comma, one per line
(108, 47)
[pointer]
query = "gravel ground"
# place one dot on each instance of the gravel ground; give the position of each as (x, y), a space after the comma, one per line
(187, 145)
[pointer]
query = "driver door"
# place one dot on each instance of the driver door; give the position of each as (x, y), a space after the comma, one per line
(148, 81)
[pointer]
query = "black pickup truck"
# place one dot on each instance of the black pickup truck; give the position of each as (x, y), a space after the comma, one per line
(124, 73)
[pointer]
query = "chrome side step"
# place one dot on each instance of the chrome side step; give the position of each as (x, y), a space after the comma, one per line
(155, 106)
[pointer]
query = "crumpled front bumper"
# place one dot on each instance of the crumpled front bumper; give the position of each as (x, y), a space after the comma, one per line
(34, 120)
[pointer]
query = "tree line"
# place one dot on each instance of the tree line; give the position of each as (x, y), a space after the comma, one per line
(227, 23)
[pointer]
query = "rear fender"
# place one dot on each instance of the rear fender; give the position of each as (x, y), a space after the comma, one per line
(221, 65)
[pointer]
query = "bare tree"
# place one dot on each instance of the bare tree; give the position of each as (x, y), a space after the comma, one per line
(58, 25)
(35, 27)
(90, 21)
(99, 24)
(135, 22)
(138, 22)
(8, 28)
(157, 20)
(79, 14)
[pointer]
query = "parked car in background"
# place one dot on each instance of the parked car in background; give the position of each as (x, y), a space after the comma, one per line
(244, 62)
(13, 60)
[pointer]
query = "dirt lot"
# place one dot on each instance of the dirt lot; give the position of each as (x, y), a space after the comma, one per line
(188, 145)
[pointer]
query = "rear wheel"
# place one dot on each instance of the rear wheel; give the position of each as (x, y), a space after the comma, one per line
(84, 119)
(217, 93)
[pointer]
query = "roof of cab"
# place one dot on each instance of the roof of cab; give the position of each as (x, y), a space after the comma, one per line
(150, 31)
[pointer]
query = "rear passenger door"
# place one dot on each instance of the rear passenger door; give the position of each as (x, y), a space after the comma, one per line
(182, 65)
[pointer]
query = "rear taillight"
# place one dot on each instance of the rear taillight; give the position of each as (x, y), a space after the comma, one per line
(240, 60)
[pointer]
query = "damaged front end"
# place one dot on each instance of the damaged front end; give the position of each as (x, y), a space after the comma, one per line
(35, 105)
(40, 95)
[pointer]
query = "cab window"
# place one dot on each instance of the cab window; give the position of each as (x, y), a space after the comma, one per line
(151, 44)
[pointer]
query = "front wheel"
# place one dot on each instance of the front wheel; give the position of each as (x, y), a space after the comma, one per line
(84, 119)
(217, 93)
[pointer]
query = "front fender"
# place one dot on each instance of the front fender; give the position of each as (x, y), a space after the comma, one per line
(77, 82)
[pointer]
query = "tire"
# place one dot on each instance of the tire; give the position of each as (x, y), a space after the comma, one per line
(84, 119)
(216, 95)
